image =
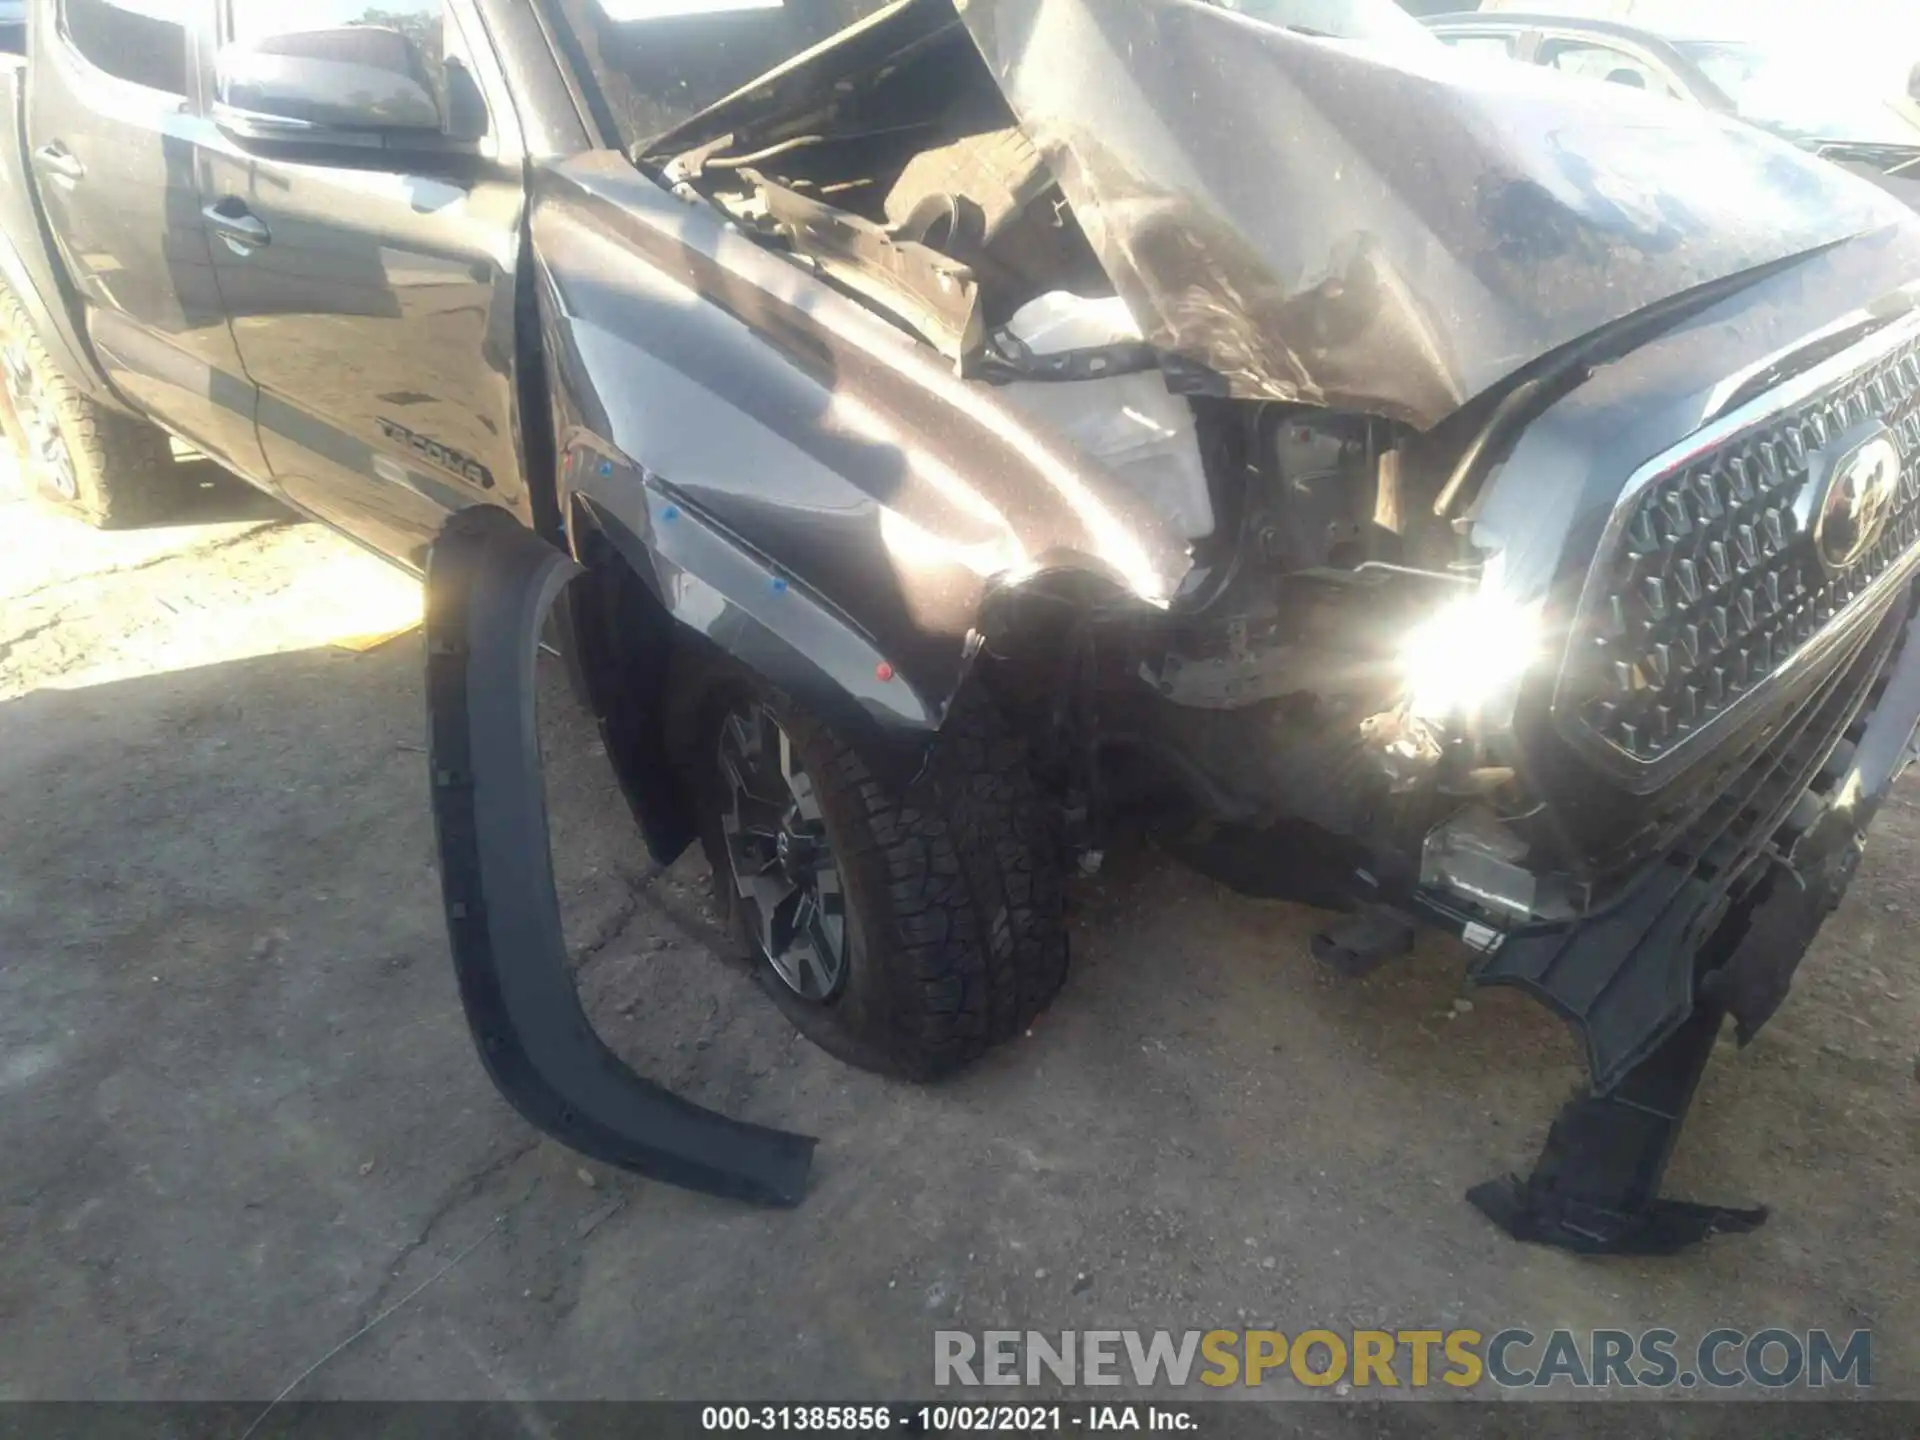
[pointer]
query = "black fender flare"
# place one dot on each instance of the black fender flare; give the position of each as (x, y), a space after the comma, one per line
(490, 585)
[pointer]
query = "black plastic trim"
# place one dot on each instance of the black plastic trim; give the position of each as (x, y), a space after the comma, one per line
(1626, 979)
(490, 584)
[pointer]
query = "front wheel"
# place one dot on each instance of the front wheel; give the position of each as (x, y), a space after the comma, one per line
(902, 928)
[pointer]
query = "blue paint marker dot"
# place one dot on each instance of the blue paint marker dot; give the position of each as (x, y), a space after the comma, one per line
(672, 512)
(779, 586)
(606, 467)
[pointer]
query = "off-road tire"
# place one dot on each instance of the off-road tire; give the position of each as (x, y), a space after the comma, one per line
(955, 897)
(123, 468)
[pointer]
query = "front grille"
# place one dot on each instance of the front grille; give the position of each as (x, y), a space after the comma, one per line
(1628, 978)
(1707, 586)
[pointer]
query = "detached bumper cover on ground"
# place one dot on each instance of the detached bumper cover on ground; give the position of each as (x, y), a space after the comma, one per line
(490, 583)
(1595, 1187)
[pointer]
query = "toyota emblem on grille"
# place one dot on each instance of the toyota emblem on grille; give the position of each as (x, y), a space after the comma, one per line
(1854, 495)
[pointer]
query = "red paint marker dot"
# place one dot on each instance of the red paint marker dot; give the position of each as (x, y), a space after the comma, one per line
(883, 672)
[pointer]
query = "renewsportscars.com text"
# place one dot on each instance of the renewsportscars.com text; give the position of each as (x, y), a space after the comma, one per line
(1514, 1358)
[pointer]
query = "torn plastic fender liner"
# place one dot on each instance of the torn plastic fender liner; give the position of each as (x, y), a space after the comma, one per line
(490, 583)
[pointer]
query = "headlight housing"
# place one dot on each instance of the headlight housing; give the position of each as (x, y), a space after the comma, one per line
(1468, 657)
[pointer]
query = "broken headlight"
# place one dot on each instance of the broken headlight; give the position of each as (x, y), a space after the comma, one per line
(1468, 656)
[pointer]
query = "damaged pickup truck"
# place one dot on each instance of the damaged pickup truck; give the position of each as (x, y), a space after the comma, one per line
(945, 433)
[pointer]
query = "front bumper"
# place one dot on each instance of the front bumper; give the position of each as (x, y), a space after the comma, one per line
(1728, 912)
(1737, 692)
(1715, 929)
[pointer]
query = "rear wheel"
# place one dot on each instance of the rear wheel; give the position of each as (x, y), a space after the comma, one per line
(903, 928)
(109, 469)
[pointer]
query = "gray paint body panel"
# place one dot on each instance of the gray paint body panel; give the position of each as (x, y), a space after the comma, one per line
(1388, 231)
(688, 361)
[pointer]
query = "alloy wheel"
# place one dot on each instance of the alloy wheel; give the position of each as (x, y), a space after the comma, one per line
(41, 446)
(784, 870)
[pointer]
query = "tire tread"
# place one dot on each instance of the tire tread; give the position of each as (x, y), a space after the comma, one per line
(125, 466)
(971, 918)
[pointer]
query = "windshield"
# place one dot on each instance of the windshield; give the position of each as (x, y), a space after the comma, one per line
(1377, 22)
(656, 63)
(1806, 97)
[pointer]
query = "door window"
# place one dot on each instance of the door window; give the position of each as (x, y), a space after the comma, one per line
(144, 41)
(349, 31)
(657, 63)
(1604, 63)
(1500, 46)
(421, 21)
(325, 27)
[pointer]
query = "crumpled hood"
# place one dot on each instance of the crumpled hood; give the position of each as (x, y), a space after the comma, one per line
(1394, 232)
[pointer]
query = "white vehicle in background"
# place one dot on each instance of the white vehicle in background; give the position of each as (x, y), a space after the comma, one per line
(1875, 43)
(1811, 97)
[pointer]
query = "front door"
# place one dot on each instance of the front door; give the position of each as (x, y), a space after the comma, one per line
(113, 140)
(373, 302)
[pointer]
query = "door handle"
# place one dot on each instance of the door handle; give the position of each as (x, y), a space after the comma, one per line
(59, 162)
(243, 231)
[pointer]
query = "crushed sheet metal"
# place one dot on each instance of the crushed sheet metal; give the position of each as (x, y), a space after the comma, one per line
(1394, 231)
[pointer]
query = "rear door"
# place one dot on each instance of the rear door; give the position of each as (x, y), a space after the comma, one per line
(373, 301)
(113, 138)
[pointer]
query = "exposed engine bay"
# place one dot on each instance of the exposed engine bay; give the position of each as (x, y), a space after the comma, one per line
(913, 186)
(1294, 720)
(1270, 700)
(1434, 493)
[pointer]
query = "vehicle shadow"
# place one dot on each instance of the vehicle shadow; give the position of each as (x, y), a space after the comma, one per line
(215, 495)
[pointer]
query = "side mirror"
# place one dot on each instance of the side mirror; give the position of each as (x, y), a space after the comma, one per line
(357, 85)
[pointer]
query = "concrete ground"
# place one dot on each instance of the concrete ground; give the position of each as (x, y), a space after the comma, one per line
(240, 1117)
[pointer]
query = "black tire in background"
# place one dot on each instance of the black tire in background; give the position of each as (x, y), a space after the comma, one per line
(109, 469)
(951, 903)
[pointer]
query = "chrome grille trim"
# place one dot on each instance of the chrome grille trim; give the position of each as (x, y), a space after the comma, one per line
(1704, 595)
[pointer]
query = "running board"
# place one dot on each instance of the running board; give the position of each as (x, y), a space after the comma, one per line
(490, 584)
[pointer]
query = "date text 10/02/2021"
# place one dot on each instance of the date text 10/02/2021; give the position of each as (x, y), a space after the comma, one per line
(946, 1419)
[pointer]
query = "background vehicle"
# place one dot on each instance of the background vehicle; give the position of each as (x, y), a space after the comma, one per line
(1808, 96)
(939, 459)
(1360, 20)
